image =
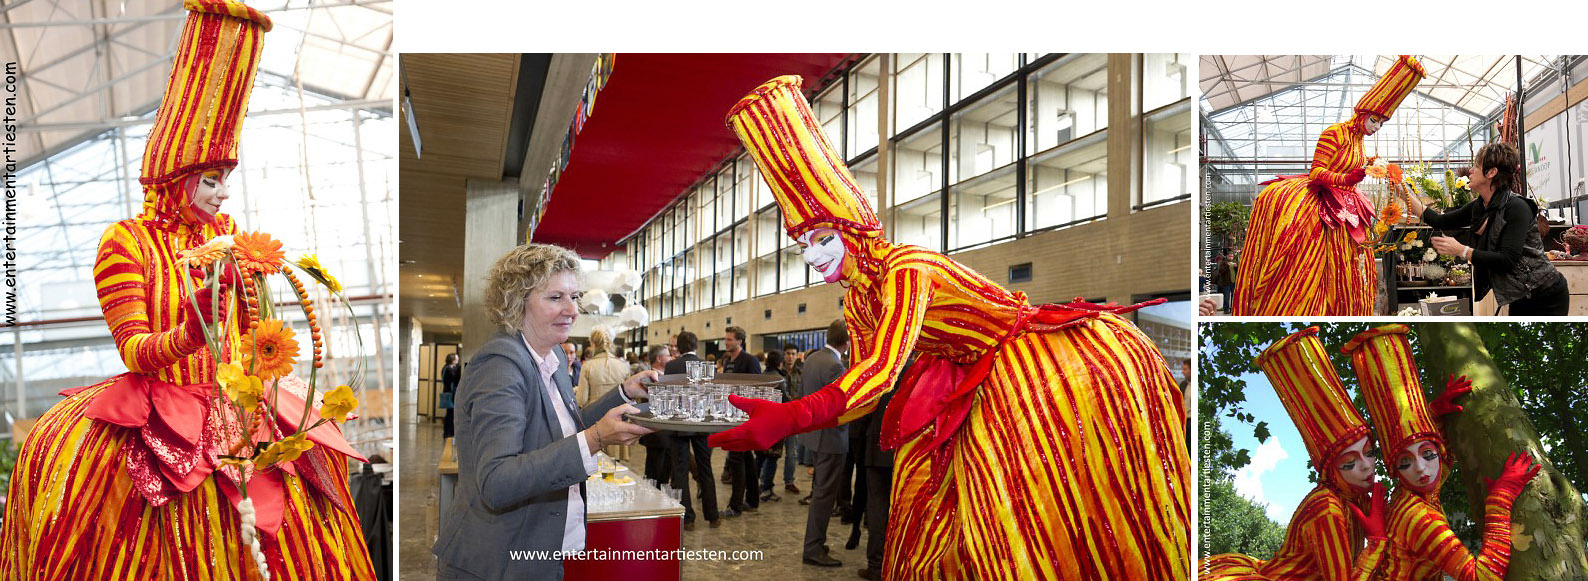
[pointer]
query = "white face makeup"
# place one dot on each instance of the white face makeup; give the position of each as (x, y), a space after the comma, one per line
(823, 249)
(1418, 465)
(209, 192)
(1373, 124)
(1356, 464)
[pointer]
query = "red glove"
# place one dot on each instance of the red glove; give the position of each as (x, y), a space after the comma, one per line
(1355, 176)
(228, 275)
(203, 304)
(1519, 469)
(1456, 387)
(770, 422)
(1373, 521)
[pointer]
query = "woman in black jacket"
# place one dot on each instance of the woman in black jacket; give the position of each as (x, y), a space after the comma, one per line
(1508, 253)
(450, 375)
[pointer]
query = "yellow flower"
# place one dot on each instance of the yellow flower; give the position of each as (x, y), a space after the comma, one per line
(242, 389)
(311, 264)
(233, 461)
(1410, 236)
(338, 403)
(285, 450)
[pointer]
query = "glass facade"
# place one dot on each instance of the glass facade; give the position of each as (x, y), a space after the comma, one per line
(982, 148)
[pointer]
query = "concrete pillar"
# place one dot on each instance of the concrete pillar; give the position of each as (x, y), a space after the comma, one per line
(1124, 134)
(490, 230)
(1124, 169)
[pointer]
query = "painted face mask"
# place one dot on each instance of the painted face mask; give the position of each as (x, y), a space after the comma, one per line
(1418, 465)
(824, 250)
(1373, 124)
(1355, 465)
(209, 192)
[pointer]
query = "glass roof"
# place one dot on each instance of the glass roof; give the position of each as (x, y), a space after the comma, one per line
(1285, 125)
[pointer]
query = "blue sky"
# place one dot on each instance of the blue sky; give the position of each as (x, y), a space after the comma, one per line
(1277, 475)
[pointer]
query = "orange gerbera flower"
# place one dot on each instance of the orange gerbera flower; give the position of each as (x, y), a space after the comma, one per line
(258, 252)
(205, 254)
(1391, 214)
(270, 349)
(1395, 174)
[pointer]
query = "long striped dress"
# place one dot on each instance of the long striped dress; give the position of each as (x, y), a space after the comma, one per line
(1071, 462)
(78, 509)
(1320, 545)
(1299, 258)
(1422, 546)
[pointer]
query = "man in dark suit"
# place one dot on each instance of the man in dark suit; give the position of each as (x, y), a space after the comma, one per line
(878, 466)
(741, 465)
(687, 445)
(829, 445)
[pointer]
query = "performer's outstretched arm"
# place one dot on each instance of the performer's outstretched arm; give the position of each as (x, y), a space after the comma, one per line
(904, 294)
(1443, 548)
(1334, 140)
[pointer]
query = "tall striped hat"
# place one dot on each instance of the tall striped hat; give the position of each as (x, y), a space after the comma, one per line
(1300, 371)
(1382, 358)
(205, 99)
(812, 186)
(1392, 88)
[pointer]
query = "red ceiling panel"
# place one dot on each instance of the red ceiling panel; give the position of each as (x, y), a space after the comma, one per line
(657, 128)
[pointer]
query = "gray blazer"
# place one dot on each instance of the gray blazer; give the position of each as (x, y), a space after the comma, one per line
(821, 369)
(514, 465)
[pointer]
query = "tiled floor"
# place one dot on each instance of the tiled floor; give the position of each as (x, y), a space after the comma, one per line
(778, 529)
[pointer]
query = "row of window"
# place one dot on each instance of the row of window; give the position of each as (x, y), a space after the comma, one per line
(1025, 137)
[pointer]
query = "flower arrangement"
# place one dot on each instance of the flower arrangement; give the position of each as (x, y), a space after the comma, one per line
(1390, 211)
(1446, 189)
(251, 380)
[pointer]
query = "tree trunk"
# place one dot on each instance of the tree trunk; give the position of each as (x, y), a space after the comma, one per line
(1548, 528)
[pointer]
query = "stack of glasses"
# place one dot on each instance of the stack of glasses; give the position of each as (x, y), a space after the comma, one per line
(705, 402)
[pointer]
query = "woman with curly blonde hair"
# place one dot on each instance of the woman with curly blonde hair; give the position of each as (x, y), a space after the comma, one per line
(523, 446)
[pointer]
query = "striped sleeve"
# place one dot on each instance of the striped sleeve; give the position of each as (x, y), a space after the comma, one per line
(904, 294)
(1430, 538)
(1329, 532)
(1330, 144)
(118, 277)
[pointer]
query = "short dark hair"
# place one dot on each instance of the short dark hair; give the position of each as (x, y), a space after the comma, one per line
(774, 360)
(837, 334)
(654, 352)
(686, 341)
(1503, 157)
(738, 333)
(787, 346)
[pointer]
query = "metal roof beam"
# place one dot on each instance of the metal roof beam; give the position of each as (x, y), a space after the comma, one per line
(174, 16)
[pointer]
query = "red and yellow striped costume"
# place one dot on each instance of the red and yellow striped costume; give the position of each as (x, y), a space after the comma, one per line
(1062, 453)
(1304, 252)
(1422, 545)
(91, 499)
(1322, 541)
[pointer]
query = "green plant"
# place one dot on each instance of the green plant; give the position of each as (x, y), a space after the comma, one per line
(8, 461)
(1228, 219)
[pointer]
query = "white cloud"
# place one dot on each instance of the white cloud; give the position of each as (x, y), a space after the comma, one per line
(1249, 480)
